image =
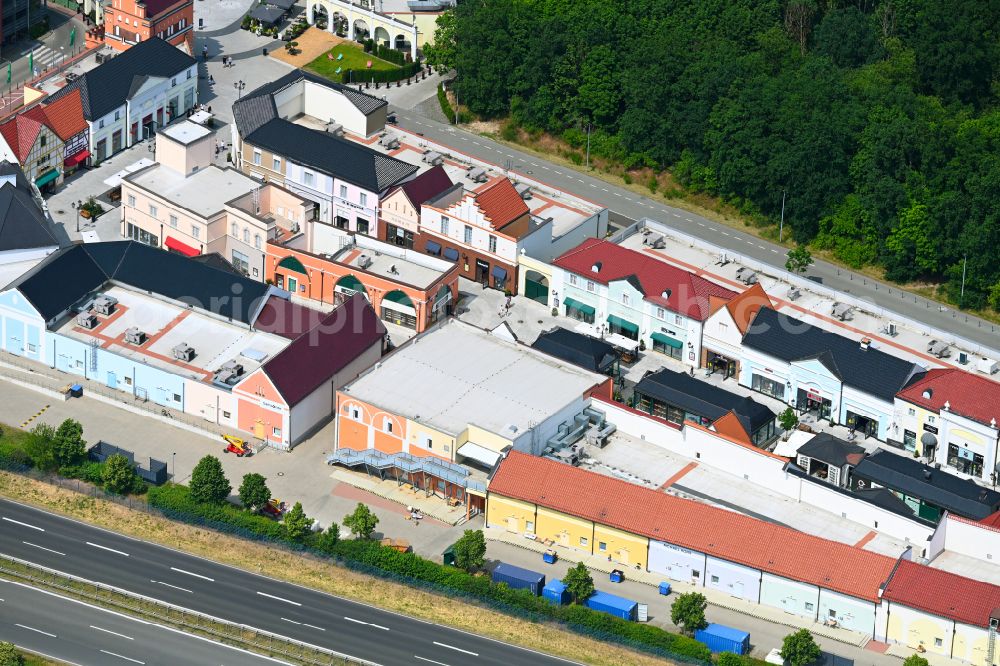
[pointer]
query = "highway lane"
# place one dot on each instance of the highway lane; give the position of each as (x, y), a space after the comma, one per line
(79, 633)
(636, 206)
(232, 594)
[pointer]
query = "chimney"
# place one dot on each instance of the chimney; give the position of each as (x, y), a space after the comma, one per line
(866, 343)
(927, 474)
(947, 405)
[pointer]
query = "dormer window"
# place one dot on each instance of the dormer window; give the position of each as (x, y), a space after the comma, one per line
(596, 267)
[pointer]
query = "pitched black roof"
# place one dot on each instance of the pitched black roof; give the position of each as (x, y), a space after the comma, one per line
(23, 225)
(107, 86)
(913, 478)
(267, 14)
(353, 162)
(829, 449)
(216, 260)
(869, 370)
(585, 351)
(693, 395)
(68, 276)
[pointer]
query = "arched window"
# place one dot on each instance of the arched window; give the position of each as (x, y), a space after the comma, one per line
(235, 231)
(246, 235)
(256, 241)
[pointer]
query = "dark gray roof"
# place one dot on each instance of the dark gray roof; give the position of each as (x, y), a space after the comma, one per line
(831, 450)
(697, 397)
(585, 351)
(885, 499)
(869, 370)
(911, 477)
(23, 225)
(107, 86)
(283, 4)
(68, 276)
(353, 162)
(267, 14)
(216, 260)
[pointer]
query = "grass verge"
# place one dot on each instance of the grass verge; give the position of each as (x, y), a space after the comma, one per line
(313, 573)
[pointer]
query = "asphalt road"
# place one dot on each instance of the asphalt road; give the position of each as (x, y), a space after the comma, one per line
(626, 203)
(50, 51)
(78, 633)
(232, 594)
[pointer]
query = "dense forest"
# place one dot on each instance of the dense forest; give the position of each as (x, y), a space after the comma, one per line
(879, 119)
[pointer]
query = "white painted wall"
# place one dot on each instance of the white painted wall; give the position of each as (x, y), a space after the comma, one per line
(789, 595)
(964, 537)
(676, 563)
(849, 612)
(733, 579)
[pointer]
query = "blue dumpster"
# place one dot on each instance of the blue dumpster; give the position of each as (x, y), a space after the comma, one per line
(550, 557)
(664, 589)
(617, 576)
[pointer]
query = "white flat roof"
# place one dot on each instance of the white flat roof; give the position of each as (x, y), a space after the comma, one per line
(457, 375)
(204, 192)
(394, 263)
(186, 132)
(166, 325)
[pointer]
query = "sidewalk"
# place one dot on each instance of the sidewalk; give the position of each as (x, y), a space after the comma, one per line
(404, 495)
(767, 626)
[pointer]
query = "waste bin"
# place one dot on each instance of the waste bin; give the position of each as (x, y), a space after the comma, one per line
(449, 555)
(664, 589)
(76, 390)
(617, 576)
(265, 53)
(550, 557)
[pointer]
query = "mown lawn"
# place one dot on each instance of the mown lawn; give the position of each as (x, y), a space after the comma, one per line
(354, 58)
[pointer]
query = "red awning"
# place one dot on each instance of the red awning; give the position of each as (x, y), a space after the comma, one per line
(76, 159)
(180, 247)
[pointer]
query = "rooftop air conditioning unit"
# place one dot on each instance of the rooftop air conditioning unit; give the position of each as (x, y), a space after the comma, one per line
(523, 190)
(233, 366)
(105, 304)
(477, 175)
(389, 141)
(134, 336)
(364, 261)
(86, 320)
(183, 352)
(658, 243)
(335, 129)
(987, 366)
(433, 158)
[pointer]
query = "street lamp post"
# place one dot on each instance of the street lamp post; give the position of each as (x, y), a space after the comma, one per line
(588, 144)
(239, 86)
(78, 207)
(173, 465)
(781, 226)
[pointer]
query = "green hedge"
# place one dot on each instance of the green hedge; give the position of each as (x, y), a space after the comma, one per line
(352, 76)
(384, 52)
(371, 557)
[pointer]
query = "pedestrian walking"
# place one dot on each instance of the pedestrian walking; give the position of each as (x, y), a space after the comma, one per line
(204, 53)
(211, 80)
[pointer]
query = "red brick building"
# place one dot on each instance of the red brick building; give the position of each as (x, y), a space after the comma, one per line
(127, 22)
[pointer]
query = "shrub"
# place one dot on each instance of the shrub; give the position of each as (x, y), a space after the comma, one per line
(627, 178)
(297, 523)
(177, 502)
(68, 444)
(118, 475)
(575, 157)
(9, 656)
(446, 109)
(470, 550)
(915, 660)
(39, 446)
(509, 131)
(89, 471)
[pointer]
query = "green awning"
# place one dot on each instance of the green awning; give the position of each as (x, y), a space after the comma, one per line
(574, 304)
(623, 324)
(397, 296)
(292, 264)
(667, 340)
(47, 178)
(350, 282)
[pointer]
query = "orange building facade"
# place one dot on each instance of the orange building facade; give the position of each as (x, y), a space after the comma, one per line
(329, 281)
(127, 22)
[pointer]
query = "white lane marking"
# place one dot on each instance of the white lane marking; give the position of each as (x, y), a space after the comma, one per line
(313, 626)
(701, 224)
(35, 545)
(211, 580)
(724, 233)
(429, 661)
(546, 168)
(594, 186)
(110, 550)
(775, 251)
(271, 596)
(182, 589)
(113, 633)
(457, 649)
(689, 219)
(24, 626)
(370, 624)
(18, 522)
(351, 619)
(121, 656)
(292, 621)
(761, 246)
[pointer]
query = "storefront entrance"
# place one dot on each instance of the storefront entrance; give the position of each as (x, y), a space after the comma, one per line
(720, 364)
(813, 403)
(482, 272)
(965, 460)
(863, 425)
(536, 287)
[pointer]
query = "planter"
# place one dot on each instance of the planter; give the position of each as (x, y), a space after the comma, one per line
(85, 214)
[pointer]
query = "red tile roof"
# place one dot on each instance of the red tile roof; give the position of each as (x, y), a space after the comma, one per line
(319, 354)
(64, 116)
(500, 203)
(156, 7)
(943, 593)
(991, 521)
(746, 305)
(967, 394)
(707, 529)
(426, 186)
(20, 133)
(688, 293)
(729, 425)
(287, 318)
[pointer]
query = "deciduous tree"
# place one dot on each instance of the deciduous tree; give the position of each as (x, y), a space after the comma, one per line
(579, 583)
(470, 550)
(362, 522)
(688, 612)
(799, 648)
(254, 492)
(209, 482)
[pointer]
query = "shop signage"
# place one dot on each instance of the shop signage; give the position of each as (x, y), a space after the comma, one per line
(931, 429)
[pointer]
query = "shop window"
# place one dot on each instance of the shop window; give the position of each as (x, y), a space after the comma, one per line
(276, 432)
(938, 642)
(583, 542)
(602, 546)
(809, 606)
(226, 415)
(715, 579)
(529, 526)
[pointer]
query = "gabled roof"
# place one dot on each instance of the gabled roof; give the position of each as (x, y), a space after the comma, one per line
(745, 306)
(707, 529)
(693, 395)
(326, 349)
(911, 477)
(23, 225)
(967, 394)
(426, 186)
(287, 318)
(943, 593)
(586, 351)
(107, 86)
(500, 203)
(730, 426)
(154, 7)
(64, 115)
(216, 260)
(20, 133)
(66, 277)
(687, 293)
(353, 162)
(871, 371)
(832, 450)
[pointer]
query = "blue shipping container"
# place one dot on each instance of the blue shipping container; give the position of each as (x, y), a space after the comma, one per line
(626, 609)
(720, 638)
(518, 578)
(556, 592)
